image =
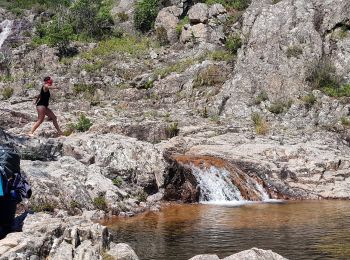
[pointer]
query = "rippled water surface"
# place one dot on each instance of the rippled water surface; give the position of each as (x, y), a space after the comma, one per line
(296, 230)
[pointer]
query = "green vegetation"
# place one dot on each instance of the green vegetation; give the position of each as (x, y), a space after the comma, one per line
(117, 181)
(345, 120)
(145, 14)
(275, 1)
(309, 100)
(220, 55)
(181, 24)
(123, 17)
(17, 7)
(74, 204)
(141, 196)
(162, 36)
(235, 4)
(294, 51)
(84, 88)
(172, 130)
(260, 124)
(7, 92)
(323, 76)
(209, 76)
(82, 125)
(178, 67)
(44, 206)
(280, 106)
(261, 97)
(233, 43)
(100, 202)
(341, 33)
(131, 45)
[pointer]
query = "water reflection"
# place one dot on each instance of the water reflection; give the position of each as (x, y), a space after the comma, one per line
(296, 230)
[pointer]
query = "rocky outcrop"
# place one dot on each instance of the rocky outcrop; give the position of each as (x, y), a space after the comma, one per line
(168, 19)
(282, 42)
(109, 173)
(251, 254)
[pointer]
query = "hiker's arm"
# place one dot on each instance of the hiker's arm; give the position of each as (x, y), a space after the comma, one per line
(37, 99)
(51, 87)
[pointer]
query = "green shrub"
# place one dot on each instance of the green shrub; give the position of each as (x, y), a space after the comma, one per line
(162, 35)
(261, 97)
(309, 100)
(209, 76)
(323, 75)
(220, 55)
(74, 204)
(82, 125)
(236, 4)
(123, 17)
(145, 14)
(100, 203)
(260, 124)
(117, 181)
(141, 196)
(92, 18)
(233, 43)
(342, 91)
(275, 1)
(172, 130)
(345, 120)
(84, 88)
(280, 106)
(7, 92)
(181, 24)
(43, 207)
(294, 51)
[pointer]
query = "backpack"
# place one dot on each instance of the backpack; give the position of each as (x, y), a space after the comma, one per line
(12, 184)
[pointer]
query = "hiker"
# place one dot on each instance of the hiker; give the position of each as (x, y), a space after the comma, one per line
(42, 106)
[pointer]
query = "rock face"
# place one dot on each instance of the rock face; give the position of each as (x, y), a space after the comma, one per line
(251, 254)
(282, 42)
(198, 13)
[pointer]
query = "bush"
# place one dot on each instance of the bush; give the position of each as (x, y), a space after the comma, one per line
(280, 106)
(294, 51)
(309, 100)
(262, 96)
(162, 36)
(141, 196)
(260, 124)
(84, 89)
(342, 91)
(92, 18)
(172, 130)
(345, 120)
(100, 203)
(145, 14)
(233, 43)
(323, 75)
(220, 55)
(82, 125)
(181, 24)
(212, 75)
(117, 181)
(123, 17)
(236, 4)
(7, 92)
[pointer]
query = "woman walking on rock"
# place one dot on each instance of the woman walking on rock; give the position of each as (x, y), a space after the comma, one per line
(42, 106)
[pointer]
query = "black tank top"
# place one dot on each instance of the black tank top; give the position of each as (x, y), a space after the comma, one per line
(44, 98)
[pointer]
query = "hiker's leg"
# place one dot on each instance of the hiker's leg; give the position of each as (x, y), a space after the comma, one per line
(51, 115)
(41, 116)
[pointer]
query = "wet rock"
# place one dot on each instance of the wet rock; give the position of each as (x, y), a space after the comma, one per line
(255, 254)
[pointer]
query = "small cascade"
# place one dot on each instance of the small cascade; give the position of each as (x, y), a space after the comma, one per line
(216, 186)
(6, 27)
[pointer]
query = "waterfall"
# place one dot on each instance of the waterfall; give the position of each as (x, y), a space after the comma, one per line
(6, 27)
(216, 187)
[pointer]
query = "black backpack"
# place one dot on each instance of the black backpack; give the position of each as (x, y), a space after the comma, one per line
(12, 184)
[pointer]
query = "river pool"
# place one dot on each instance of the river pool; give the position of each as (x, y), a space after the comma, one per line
(296, 230)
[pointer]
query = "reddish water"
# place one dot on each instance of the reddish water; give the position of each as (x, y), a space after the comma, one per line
(296, 230)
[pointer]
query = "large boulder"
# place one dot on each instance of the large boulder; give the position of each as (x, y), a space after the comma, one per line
(198, 13)
(168, 19)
